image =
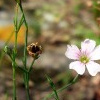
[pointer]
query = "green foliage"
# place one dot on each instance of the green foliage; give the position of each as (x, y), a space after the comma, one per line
(53, 87)
(62, 88)
(81, 33)
(36, 28)
(67, 78)
(13, 52)
(18, 1)
(96, 8)
(78, 7)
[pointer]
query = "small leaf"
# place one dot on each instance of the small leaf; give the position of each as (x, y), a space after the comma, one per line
(53, 87)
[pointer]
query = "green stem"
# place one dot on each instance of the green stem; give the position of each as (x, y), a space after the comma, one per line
(26, 35)
(27, 86)
(31, 65)
(61, 89)
(26, 75)
(14, 54)
(26, 81)
(55, 92)
(27, 92)
(14, 82)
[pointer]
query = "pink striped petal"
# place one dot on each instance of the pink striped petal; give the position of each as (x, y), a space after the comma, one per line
(87, 46)
(93, 68)
(72, 52)
(78, 67)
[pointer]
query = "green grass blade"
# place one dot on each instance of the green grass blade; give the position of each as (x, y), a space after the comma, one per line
(53, 87)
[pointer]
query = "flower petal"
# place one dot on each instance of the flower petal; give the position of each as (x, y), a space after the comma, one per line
(87, 46)
(72, 52)
(78, 67)
(95, 55)
(93, 68)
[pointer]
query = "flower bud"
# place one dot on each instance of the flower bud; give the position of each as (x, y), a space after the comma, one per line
(8, 50)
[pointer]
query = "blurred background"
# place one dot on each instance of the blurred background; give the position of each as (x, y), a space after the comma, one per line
(54, 24)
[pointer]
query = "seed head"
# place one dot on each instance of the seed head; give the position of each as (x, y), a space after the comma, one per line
(34, 50)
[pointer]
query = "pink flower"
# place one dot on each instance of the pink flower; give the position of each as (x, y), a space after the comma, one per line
(84, 57)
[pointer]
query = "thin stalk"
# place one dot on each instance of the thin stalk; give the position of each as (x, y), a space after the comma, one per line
(14, 54)
(56, 94)
(27, 86)
(26, 74)
(26, 82)
(27, 92)
(53, 87)
(61, 89)
(14, 82)
(21, 22)
(31, 65)
(26, 35)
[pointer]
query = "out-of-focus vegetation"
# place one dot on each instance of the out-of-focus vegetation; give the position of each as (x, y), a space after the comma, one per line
(53, 23)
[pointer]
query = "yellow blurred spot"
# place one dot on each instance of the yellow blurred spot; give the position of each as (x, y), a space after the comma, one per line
(5, 33)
